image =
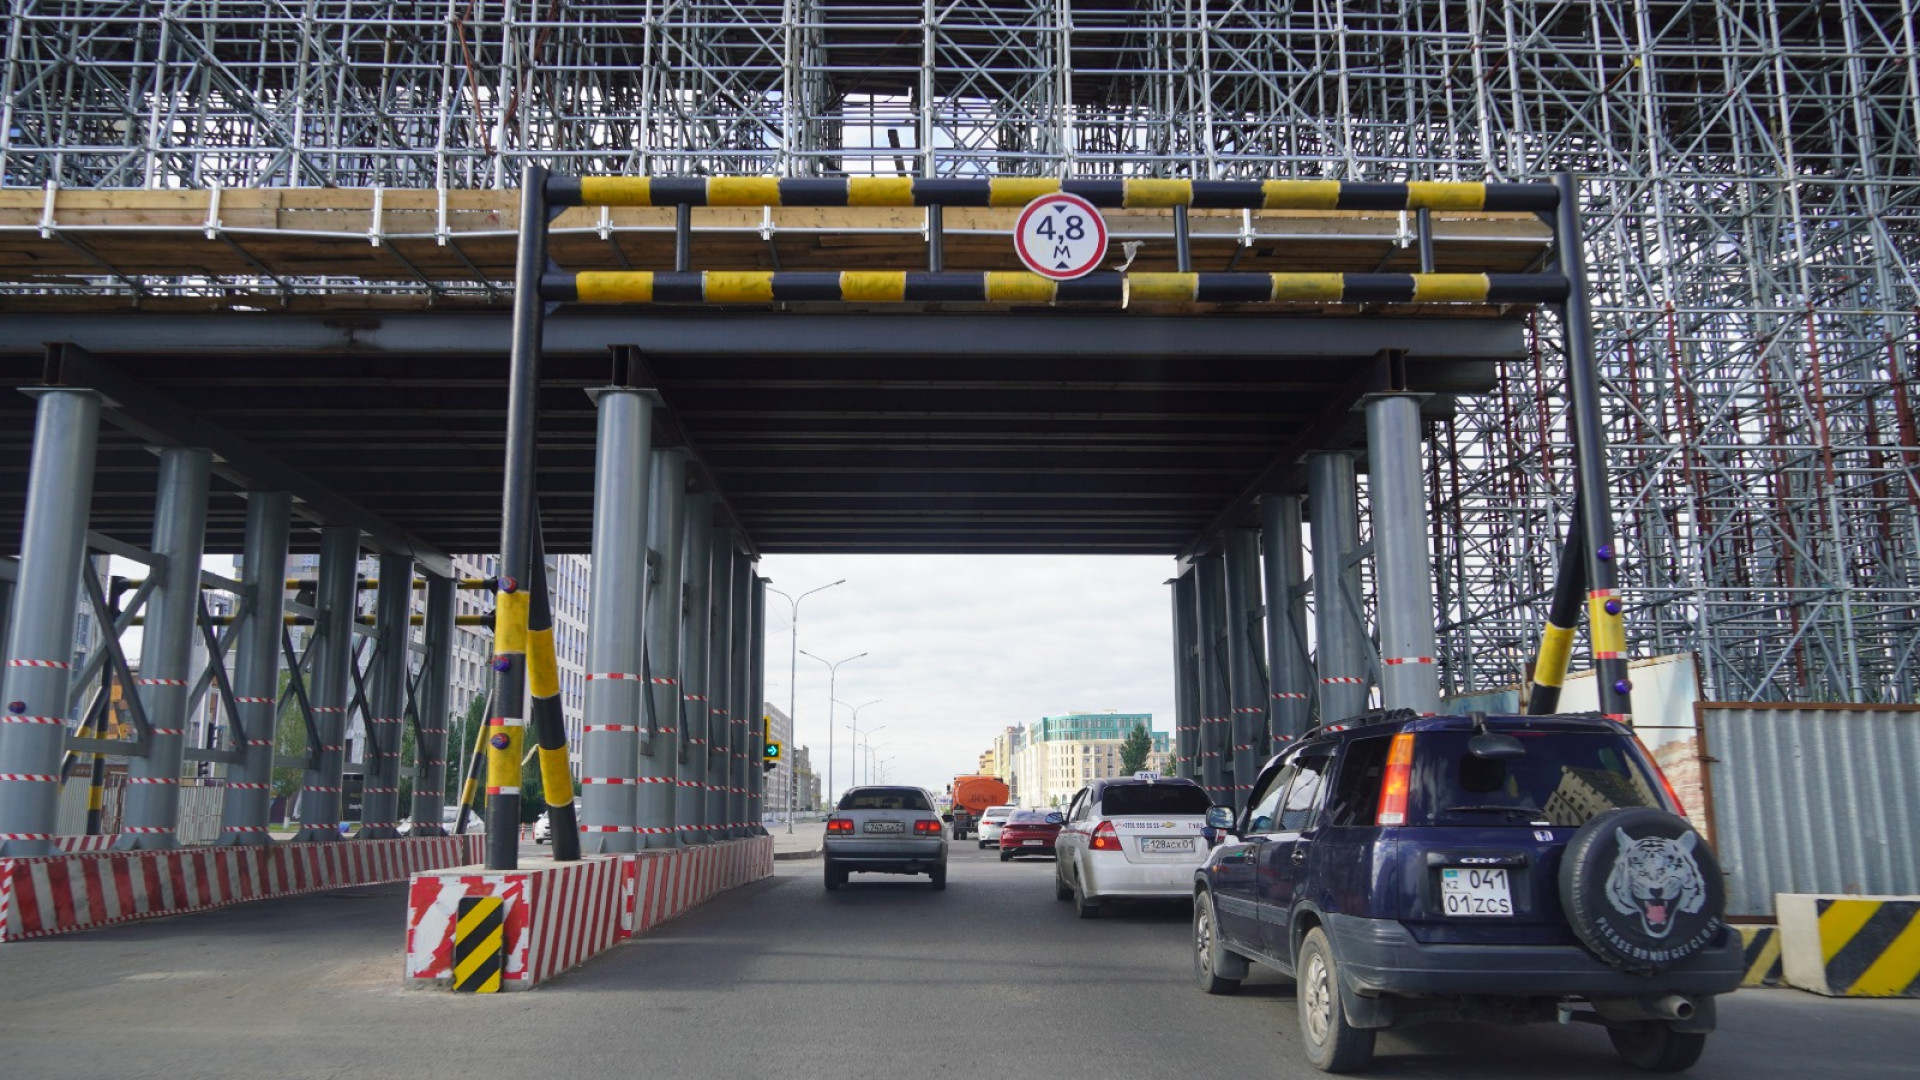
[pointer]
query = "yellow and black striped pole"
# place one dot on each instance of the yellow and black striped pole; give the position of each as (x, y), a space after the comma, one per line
(1023, 287)
(1563, 615)
(549, 727)
(1013, 192)
(470, 801)
(506, 728)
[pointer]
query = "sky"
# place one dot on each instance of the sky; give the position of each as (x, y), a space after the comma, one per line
(960, 647)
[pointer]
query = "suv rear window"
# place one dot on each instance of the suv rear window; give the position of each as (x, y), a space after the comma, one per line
(1567, 778)
(1154, 799)
(885, 799)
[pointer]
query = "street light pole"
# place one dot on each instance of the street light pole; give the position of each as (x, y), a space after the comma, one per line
(856, 733)
(833, 670)
(793, 651)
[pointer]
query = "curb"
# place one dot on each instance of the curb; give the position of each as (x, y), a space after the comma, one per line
(794, 856)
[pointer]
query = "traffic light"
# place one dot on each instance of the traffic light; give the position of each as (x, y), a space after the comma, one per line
(769, 746)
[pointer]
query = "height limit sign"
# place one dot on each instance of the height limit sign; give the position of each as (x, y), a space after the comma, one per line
(1061, 236)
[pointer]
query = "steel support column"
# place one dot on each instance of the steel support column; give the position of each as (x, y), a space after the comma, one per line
(430, 705)
(1606, 632)
(666, 524)
(1289, 674)
(386, 697)
(151, 819)
(720, 684)
(1409, 678)
(1209, 627)
(1245, 686)
(1339, 626)
(328, 678)
(741, 708)
(752, 753)
(1186, 675)
(613, 718)
(256, 670)
(696, 617)
(53, 549)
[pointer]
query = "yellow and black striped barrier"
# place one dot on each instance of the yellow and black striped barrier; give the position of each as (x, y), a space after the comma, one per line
(479, 944)
(1018, 191)
(1851, 946)
(1762, 948)
(1021, 287)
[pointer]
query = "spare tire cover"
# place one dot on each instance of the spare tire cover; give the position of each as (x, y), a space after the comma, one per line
(1641, 889)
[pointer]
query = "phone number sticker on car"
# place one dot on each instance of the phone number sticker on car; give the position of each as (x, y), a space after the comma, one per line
(1475, 891)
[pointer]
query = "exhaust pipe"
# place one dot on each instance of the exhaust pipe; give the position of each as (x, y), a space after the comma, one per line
(1671, 1007)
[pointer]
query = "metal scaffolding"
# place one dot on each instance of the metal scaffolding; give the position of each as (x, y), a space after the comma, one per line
(1747, 169)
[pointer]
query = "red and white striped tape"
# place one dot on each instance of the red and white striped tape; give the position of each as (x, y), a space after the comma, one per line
(1343, 680)
(39, 663)
(161, 682)
(9, 718)
(1396, 661)
(612, 676)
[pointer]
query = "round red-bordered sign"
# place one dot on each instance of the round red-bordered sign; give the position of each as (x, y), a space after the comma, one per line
(1061, 236)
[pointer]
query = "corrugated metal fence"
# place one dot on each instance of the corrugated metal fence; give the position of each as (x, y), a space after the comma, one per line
(1811, 799)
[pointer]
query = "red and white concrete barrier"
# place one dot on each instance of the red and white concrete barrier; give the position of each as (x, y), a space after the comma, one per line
(55, 894)
(559, 915)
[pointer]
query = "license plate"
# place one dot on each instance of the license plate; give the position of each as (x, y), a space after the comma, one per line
(1157, 844)
(885, 826)
(1474, 891)
(1031, 843)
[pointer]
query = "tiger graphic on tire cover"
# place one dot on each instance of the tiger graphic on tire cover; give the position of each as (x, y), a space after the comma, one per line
(1653, 875)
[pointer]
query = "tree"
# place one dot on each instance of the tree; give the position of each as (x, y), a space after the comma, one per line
(1135, 751)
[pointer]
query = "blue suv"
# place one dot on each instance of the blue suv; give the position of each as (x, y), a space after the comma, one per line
(1405, 869)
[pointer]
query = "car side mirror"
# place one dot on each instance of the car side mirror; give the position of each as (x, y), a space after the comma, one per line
(1219, 817)
(1056, 819)
(946, 817)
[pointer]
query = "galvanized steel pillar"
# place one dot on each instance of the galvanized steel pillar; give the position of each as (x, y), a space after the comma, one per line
(430, 706)
(1339, 627)
(666, 523)
(720, 685)
(53, 549)
(614, 716)
(1408, 677)
(1186, 676)
(151, 819)
(1289, 675)
(256, 670)
(1215, 726)
(753, 727)
(696, 616)
(386, 697)
(328, 679)
(1246, 687)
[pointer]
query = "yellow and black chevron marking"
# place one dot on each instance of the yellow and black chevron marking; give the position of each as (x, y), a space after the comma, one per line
(1871, 947)
(479, 938)
(1762, 955)
(1109, 287)
(1018, 191)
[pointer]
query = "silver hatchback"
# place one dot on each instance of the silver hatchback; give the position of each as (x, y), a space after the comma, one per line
(885, 830)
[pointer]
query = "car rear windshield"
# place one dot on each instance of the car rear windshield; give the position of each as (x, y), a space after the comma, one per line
(1154, 799)
(1566, 778)
(1028, 817)
(885, 799)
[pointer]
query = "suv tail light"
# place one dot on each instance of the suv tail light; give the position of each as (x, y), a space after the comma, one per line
(839, 825)
(1394, 785)
(926, 827)
(1104, 838)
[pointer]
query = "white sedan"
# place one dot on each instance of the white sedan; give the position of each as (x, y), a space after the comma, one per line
(1131, 839)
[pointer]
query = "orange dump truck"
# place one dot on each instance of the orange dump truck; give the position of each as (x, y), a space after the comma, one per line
(971, 797)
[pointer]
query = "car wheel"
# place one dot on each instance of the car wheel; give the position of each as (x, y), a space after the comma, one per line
(1218, 970)
(1083, 907)
(836, 877)
(1332, 1044)
(1060, 890)
(938, 877)
(1006, 856)
(1653, 1045)
(983, 845)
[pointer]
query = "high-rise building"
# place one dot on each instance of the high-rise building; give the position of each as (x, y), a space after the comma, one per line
(1056, 756)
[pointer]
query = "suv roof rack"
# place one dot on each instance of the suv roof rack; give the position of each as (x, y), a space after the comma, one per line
(1365, 719)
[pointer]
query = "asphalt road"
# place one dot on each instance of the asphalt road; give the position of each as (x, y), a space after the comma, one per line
(883, 979)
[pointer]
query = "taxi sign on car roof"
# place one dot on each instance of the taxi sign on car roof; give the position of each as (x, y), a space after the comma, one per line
(1146, 774)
